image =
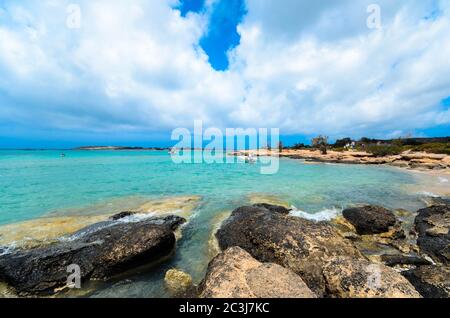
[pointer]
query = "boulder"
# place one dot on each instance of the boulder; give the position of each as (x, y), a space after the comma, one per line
(370, 219)
(301, 245)
(430, 281)
(358, 278)
(433, 225)
(101, 251)
(178, 282)
(235, 274)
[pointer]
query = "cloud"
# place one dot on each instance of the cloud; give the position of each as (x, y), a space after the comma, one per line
(311, 69)
(307, 67)
(132, 65)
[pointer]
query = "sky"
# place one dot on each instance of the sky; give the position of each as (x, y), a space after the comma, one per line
(101, 72)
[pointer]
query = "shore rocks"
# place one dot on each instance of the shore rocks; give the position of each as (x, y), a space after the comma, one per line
(430, 281)
(358, 278)
(295, 243)
(178, 282)
(101, 251)
(433, 225)
(235, 274)
(370, 219)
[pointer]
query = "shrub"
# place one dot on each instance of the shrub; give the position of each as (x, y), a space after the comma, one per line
(320, 143)
(434, 147)
(384, 150)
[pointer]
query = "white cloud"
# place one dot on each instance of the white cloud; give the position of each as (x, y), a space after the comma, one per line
(310, 75)
(133, 65)
(304, 66)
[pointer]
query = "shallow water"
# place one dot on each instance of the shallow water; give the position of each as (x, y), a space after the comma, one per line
(40, 183)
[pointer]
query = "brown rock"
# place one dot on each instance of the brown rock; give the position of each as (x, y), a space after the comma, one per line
(295, 243)
(430, 281)
(358, 278)
(370, 219)
(432, 225)
(235, 274)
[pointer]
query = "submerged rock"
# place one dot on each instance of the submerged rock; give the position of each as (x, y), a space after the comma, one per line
(269, 199)
(432, 201)
(433, 225)
(370, 219)
(178, 282)
(358, 278)
(235, 274)
(430, 281)
(295, 243)
(101, 251)
(43, 231)
(273, 208)
(47, 230)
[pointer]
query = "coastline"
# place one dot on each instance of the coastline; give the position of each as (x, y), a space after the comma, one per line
(413, 161)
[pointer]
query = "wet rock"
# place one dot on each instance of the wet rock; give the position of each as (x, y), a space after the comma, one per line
(301, 245)
(273, 208)
(122, 215)
(178, 282)
(101, 251)
(394, 260)
(430, 281)
(433, 225)
(235, 274)
(358, 278)
(433, 201)
(370, 219)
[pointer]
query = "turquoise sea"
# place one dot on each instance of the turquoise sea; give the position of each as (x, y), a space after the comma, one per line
(34, 184)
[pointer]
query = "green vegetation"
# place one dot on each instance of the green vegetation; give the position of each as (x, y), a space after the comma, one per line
(384, 150)
(321, 143)
(380, 148)
(434, 147)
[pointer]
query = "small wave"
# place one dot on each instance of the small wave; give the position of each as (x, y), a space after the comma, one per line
(443, 180)
(135, 218)
(4, 250)
(428, 194)
(324, 215)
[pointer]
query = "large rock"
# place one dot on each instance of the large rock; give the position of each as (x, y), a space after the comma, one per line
(370, 219)
(101, 251)
(430, 281)
(295, 243)
(433, 225)
(235, 274)
(358, 278)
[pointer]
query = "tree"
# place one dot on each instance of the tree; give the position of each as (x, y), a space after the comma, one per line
(341, 143)
(321, 143)
(280, 146)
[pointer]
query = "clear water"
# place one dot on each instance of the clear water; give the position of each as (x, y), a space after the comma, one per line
(38, 183)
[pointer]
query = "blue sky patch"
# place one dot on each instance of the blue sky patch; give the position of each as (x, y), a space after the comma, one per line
(222, 32)
(187, 6)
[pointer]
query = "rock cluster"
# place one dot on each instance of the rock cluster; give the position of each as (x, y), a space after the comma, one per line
(100, 251)
(236, 274)
(329, 264)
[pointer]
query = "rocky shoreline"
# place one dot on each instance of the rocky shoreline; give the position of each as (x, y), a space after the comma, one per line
(421, 161)
(263, 252)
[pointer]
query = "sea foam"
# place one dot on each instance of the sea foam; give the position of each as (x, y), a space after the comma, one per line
(323, 215)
